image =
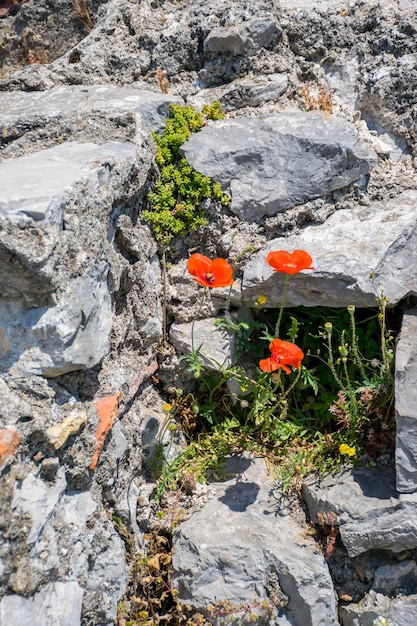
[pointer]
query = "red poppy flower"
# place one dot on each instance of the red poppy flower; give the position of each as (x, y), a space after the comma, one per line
(283, 353)
(289, 262)
(216, 273)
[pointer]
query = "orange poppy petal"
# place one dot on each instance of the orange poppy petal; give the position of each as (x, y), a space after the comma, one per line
(198, 264)
(278, 259)
(288, 353)
(276, 345)
(302, 259)
(222, 272)
(268, 365)
(289, 263)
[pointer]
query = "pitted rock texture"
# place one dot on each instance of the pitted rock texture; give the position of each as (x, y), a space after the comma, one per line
(239, 542)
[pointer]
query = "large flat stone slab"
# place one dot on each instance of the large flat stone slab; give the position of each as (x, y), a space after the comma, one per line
(273, 163)
(23, 110)
(34, 187)
(356, 253)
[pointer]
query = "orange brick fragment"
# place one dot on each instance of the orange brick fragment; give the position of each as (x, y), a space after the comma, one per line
(108, 412)
(9, 442)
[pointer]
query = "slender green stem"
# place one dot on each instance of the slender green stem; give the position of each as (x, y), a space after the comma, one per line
(328, 327)
(227, 311)
(284, 297)
(355, 349)
(294, 382)
(382, 318)
(229, 295)
(196, 316)
(353, 404)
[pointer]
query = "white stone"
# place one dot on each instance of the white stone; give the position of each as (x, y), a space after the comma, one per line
(406, 405)
(35, 497)
(34, 186)
(57, 604)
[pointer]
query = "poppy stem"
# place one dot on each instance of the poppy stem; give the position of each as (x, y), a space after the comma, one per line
(293, 384)
(248, 248)
(196, 316)
(330, 360)
(355, 348)
(284, 297)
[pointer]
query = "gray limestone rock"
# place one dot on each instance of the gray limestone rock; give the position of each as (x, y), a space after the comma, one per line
(241, 547)
(39, 500)
(72, 335)
(370, 513)
(245, 38)
(272, 163)
(215, 345)
(34, 187)
(86, 104)
(244, 92)
(393, 579)
(57, 603)
(58, 259)
(356, 254)
(406, 404)
(106, 576)
(377, 609)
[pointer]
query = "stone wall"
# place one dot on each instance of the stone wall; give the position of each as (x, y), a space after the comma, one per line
(81, 316)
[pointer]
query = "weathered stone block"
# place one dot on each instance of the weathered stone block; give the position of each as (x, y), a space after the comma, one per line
(370, 513)
(214, 344)
(272, 163)
(406, 404)
(356, 254)
(237, 547)
(246, 38)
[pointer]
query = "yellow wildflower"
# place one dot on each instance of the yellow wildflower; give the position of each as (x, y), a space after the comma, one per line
(261, 300)
(347, 450)
(166, 407)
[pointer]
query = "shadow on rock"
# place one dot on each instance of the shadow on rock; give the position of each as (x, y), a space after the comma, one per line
(240, 496)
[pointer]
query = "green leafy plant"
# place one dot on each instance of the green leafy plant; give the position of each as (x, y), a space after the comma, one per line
(311, 405)
(174, 204)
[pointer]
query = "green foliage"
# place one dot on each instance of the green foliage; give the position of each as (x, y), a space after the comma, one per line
(175, 201)
(213, 111)
(202, 457)
(337, 405)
